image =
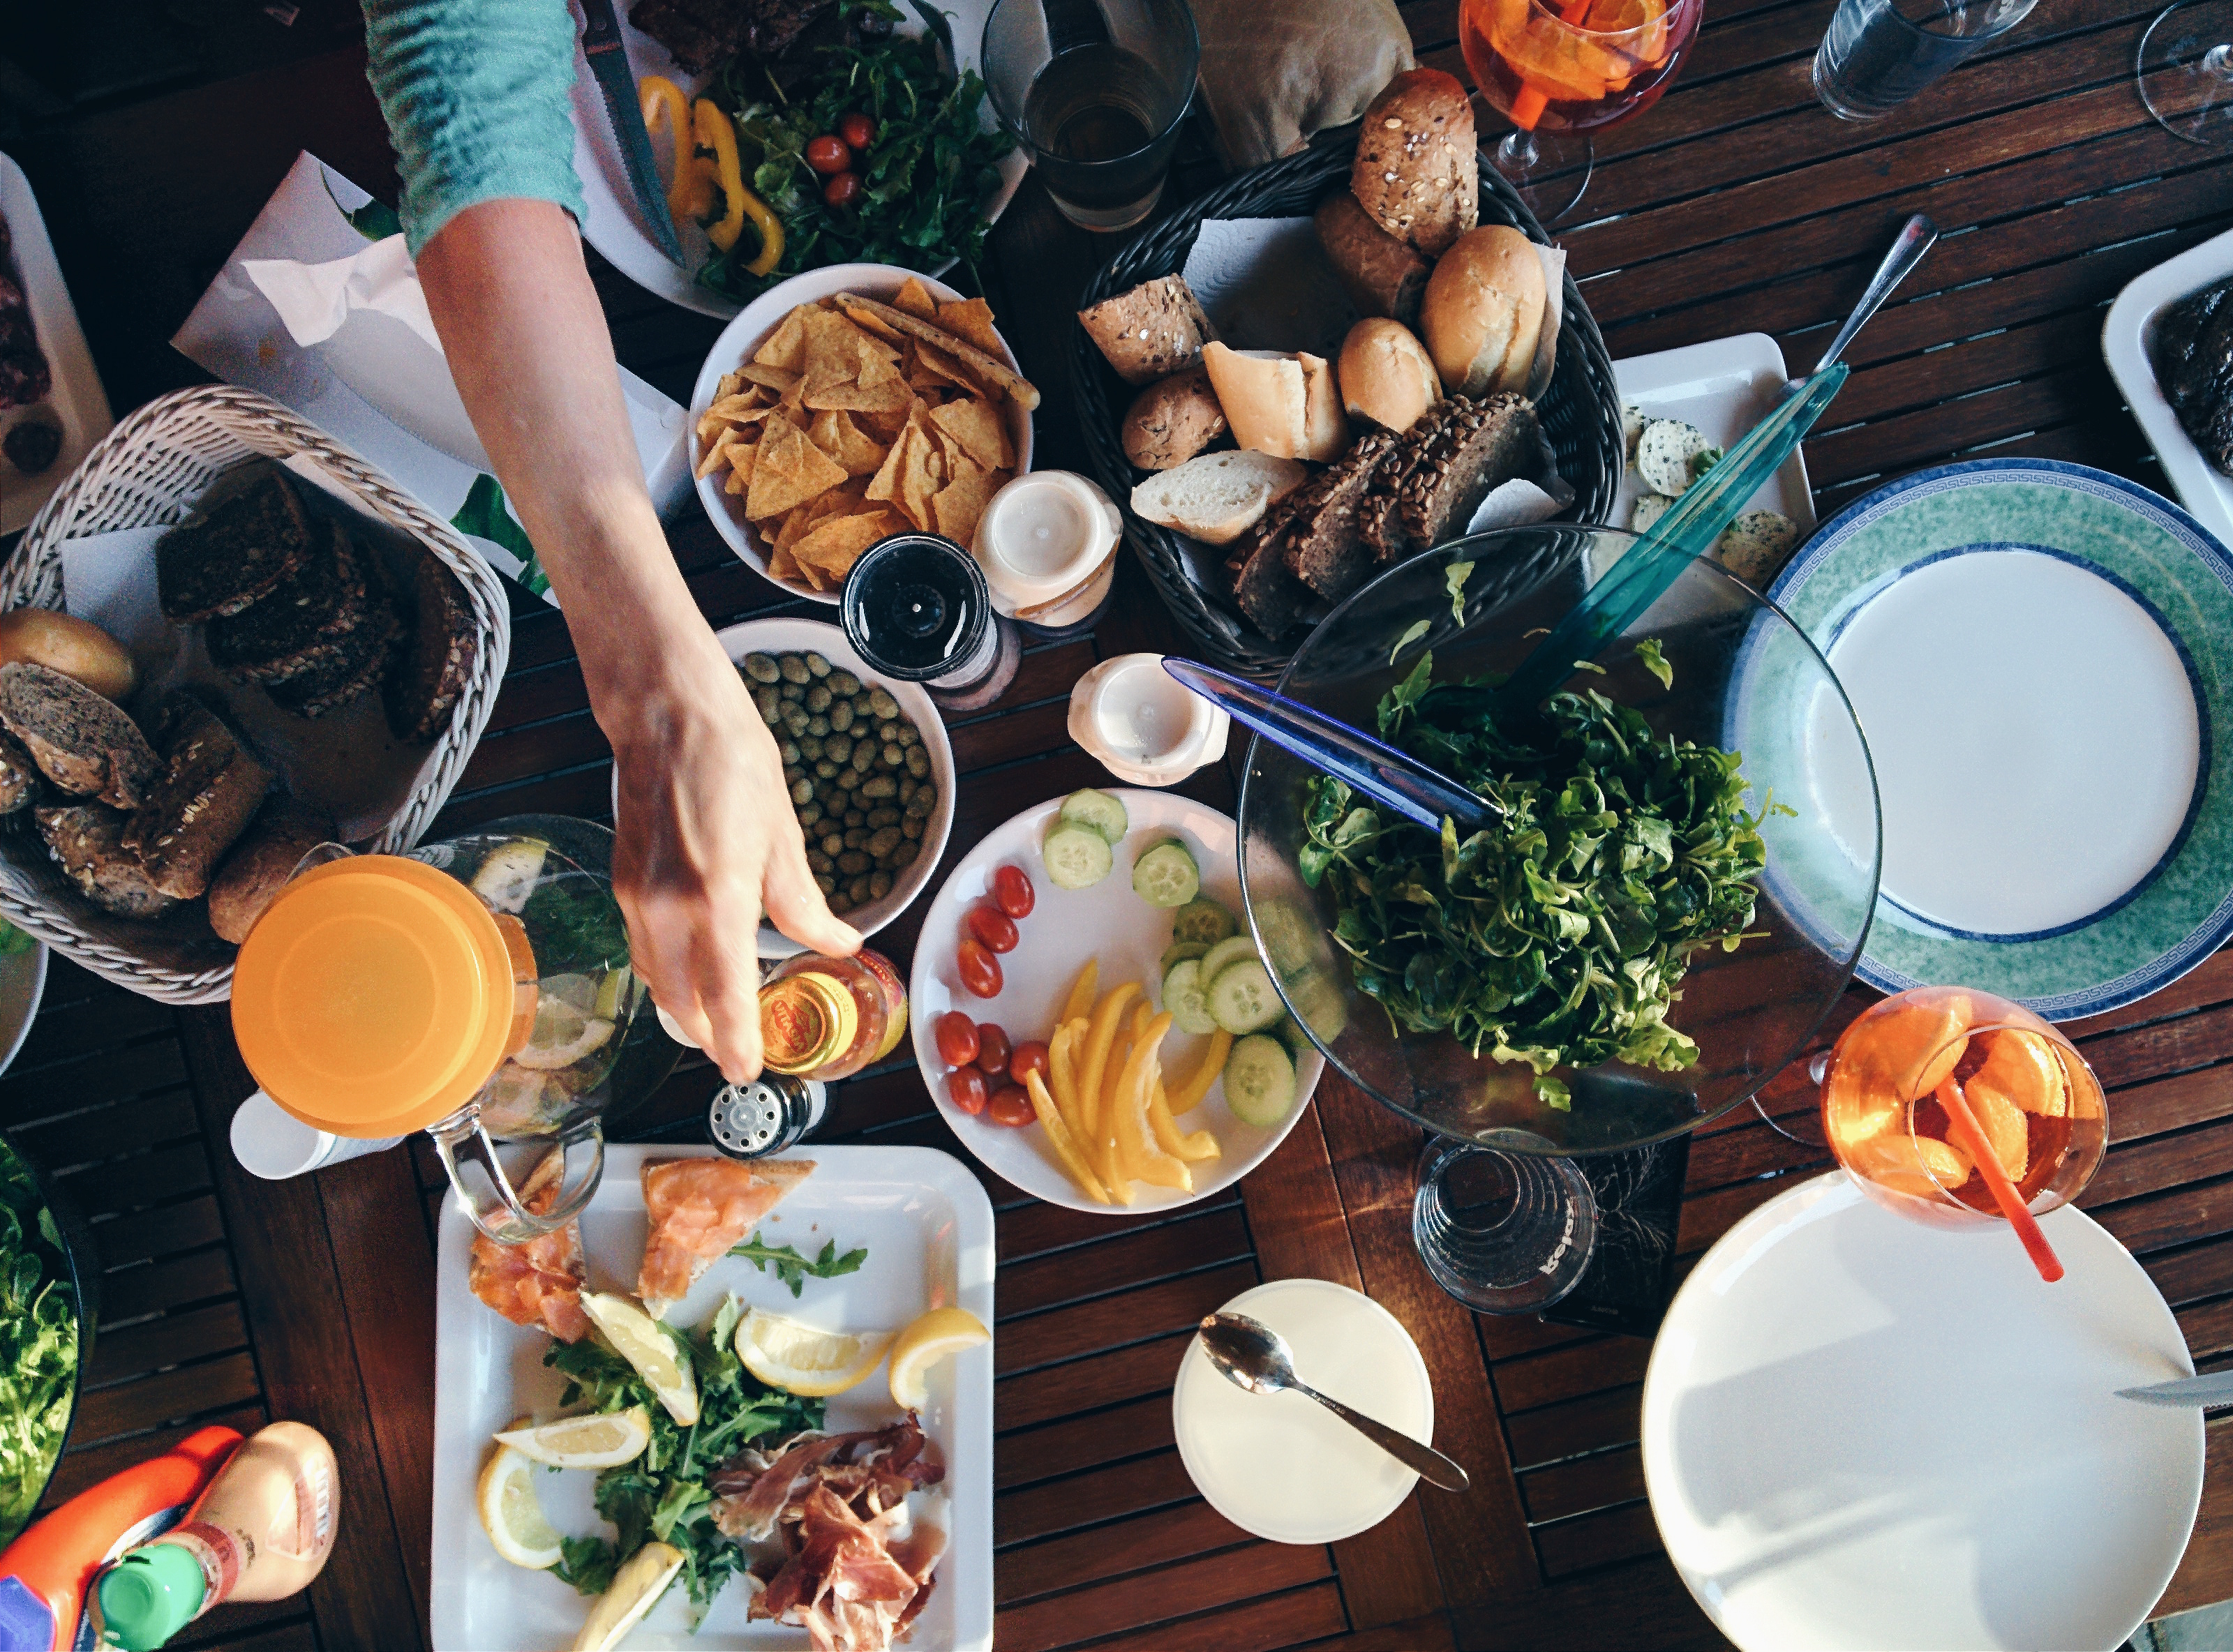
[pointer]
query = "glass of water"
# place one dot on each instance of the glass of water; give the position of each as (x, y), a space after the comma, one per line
(1503, 1232)
(1880, 53)
(1095, 90)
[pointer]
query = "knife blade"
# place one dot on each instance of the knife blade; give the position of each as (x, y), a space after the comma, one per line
(2214, 1388)
(600, 44)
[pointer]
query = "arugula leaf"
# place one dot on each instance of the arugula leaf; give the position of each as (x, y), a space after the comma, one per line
(793, 1268)
(1418, 629)
(1655, 661)
(1455, 577)
(1556, 936)
(38, 1342)
(587, 1563)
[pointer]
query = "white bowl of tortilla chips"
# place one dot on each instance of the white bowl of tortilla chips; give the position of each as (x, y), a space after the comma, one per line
(849, 404)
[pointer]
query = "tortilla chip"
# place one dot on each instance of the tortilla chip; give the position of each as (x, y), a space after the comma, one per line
(878, 365)
(822, 433)
(915, 298)
(786, 348)
(885, 484)
(978, 427)
(969, 318)
(962, 501)
(731, 383)
(832, 350)
(714, 450)
(889, 397)
(835, 542)
(782, 565)
(789, 470)
(860, 454)
(919, 478)
(742, 458)
(774, 378)
(882, 424)
(946, 370)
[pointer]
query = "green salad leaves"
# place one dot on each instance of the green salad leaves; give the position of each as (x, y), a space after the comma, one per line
(1558, 935)
(793, 1267)
(923, 180)
(38, 1343)
(662, 1495)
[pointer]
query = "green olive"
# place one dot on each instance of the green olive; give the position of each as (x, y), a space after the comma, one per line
(817, 666)
(793, 668)
(880, 885)
(762, 668)
(844, 682)
(841, 713)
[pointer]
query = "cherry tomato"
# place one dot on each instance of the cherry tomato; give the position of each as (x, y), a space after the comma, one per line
(980, 970)
(965, 1088)
(957, 1039)
(828, 154)
(857, 130)
(1011, 1106)
(1026, 1059)
(991, 1050)
(992, 926)
(1012, 892)
(842, 189)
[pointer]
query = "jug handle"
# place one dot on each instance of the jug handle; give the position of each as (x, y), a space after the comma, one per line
(496, 1209)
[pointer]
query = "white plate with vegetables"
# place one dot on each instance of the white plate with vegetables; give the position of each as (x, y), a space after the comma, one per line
(1142, 889)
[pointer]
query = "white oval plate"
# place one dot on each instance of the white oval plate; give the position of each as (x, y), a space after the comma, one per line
(804, 636)
(612, 225)
(1066, 928)
(23, 984)
(735, 347)
(1860, 1432)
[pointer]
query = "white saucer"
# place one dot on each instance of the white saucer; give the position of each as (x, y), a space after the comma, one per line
(1284, 1468)
(1861, 1432)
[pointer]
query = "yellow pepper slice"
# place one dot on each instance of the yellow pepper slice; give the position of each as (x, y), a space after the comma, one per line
(1137, 1152)
(1099, 1036)
(1198, 1144)
(1187, 1096)
(1066, 1149)
(690, 195)
(715, 133)
(1080, 998)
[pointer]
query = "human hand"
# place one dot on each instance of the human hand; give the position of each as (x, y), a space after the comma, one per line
(708, 837)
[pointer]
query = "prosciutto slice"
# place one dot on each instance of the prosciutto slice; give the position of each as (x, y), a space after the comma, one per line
(538, 1283)
(698, 1208)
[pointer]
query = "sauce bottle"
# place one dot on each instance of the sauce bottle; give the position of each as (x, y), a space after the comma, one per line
(826, 1018)
(1047, 544)
(263, 1529)
(45, 1573)
(1133, 715)
(916, 607)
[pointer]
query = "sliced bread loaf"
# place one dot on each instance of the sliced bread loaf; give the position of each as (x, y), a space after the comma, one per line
(1273, 599)
(240, 551)
(362, 665)
(302, 625)
(1216, 498)
(438, 655)
(1495, 442)
(1377, 522)
(1323, 547)
(210, 791)
(87, 840)
(86, 744)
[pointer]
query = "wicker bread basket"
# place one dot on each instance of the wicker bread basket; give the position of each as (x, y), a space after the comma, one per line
(151, 469)
(1580, 411)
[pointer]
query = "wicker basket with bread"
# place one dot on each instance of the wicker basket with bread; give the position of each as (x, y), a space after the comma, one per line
(1267, 485)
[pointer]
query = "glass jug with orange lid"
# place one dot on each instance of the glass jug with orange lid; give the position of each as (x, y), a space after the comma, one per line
(477, 988)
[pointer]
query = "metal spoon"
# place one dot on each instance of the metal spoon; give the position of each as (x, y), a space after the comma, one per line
(1255, 1358)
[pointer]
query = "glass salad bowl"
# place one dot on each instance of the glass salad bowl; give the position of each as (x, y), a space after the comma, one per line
(1743, 679)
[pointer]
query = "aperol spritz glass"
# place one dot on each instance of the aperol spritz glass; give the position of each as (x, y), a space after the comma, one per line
(1562, 69)
(2032, 1102)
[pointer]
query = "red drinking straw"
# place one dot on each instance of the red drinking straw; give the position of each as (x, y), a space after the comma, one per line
(1962, 1124)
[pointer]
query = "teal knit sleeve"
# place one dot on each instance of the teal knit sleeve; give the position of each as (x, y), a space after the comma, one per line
(476, 93)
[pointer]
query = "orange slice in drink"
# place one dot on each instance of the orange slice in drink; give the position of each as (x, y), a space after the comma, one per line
(1908, 1046)
(2023, 1068)
(1918, 1166)
(2002, 1121)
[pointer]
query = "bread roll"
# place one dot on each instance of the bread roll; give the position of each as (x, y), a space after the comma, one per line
(1382, 275)
(77, 649)
(1326, 430)
(1172, 421)
(1262, 393)
(1483, 311)
(1150, 331)
(1387, 378)
(1416, 172)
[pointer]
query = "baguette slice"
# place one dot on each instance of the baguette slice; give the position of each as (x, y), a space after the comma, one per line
(1326, 426)
(1216, 498)
(87, 842)
(1265, 397)
(86, 744)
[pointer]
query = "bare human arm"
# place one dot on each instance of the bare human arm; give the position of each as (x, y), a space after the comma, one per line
(705, 827)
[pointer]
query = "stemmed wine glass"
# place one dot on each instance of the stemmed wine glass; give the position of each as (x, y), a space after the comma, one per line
(2185, 70)
(1562, 69)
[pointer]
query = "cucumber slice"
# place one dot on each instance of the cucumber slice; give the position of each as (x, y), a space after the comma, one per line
(1183, 996)
(1318, 1005)
(1177, 953)
(1077, 858)
(1099, 812)
(1291, 937)
(1242, 999)
(1203, 921)
(1165, 875)
(1231, 951)
(1260, 1080)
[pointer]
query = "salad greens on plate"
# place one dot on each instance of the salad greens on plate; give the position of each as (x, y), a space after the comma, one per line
(38, 1342)
(1558, 935)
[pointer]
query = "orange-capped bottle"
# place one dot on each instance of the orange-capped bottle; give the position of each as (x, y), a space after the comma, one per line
(826, 1018)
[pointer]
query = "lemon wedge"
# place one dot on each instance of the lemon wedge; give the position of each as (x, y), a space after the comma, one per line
(644, 1343)
(785, 1354)
(509, 1514)
(564, 1030)
(635, 1586)
(602, 1439)
(940, 1334)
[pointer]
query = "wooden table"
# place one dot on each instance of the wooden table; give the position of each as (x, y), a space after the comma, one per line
(1736, 205)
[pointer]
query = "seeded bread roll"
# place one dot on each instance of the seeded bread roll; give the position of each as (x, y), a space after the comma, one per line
(1173, 419)
(1382, 275)
(88, 843)
(210, 790)
(1416, 173)
(84, 744)
(76, 648)
(1387, 379)
(1156, 329)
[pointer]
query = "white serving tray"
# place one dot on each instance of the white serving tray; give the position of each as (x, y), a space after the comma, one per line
(929, 1230)
(1724, 387)
(77, 399)
(2201, 486)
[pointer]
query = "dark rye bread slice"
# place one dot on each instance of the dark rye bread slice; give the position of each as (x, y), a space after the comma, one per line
(210, 791)
(1323, 547)
(1376, 515)
(300, 626)
(87, 842)
(240, 551)
(370, 655)
(1498, 441)
(437, 657)
(86, 745)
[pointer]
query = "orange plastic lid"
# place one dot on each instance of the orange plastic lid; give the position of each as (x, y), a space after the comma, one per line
(374, 997)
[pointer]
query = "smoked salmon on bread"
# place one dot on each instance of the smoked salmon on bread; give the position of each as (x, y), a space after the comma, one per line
(697, 1209)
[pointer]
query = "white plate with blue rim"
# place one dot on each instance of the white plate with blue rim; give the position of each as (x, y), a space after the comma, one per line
(2041, 658)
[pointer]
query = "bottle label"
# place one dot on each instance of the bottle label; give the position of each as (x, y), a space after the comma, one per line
(895, 1001)
(805, 1023)
(222, 1555)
